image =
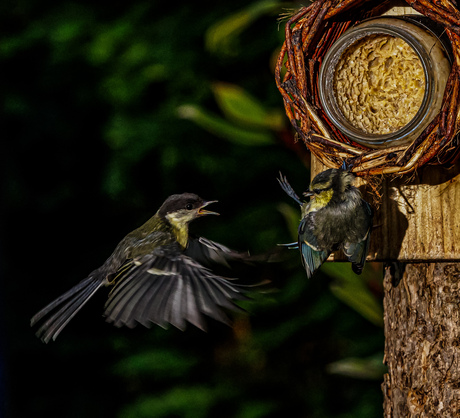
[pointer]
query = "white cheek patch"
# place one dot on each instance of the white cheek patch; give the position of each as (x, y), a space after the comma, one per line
(172, 218)
(179, 218)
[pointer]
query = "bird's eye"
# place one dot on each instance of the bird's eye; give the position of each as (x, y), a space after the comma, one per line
(189, 206)
(317, 191)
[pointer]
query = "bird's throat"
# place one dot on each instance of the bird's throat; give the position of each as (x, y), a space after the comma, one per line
(320, 201)
(181, 236)
(179, 229)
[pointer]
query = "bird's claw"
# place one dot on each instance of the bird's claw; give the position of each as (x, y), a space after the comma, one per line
(347, 165)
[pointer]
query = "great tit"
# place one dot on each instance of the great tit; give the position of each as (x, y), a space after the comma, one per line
(157, 274)
(336, 217)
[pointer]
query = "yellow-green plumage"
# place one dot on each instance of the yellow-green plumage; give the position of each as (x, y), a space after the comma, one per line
(318, 202)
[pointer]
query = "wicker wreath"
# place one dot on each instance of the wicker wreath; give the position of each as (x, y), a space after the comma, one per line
(309, 34)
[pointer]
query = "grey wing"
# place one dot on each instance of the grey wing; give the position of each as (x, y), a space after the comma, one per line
(209, 253)
(168, 287)
(357, 251)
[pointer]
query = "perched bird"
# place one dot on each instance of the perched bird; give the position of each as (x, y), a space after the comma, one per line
(335, 217)
(157, 274)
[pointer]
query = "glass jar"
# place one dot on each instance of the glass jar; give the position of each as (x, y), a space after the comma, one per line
(435, 61)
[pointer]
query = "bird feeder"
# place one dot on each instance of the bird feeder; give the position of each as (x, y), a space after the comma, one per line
(413, 179)
(417, 218)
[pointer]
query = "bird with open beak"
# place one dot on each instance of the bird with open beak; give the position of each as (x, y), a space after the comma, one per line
(157, 274)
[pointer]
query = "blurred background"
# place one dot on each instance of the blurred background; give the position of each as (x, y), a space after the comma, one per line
(108, 108)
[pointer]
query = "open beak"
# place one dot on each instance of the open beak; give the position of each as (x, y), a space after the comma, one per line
(203, 212)
(308, 193)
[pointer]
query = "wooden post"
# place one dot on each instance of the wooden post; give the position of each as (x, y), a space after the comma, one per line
(422, 344)
(417, 235)
(418, 227)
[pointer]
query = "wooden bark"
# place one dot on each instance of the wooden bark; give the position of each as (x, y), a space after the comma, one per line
(422, 346)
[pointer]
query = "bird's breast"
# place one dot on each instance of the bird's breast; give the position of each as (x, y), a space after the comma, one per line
(334, 224)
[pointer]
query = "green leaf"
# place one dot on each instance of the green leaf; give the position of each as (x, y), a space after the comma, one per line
(353, 290)
(322, 309)
(239, 106)
(187, 402)
(292, 218)
(156, 362)
(370, 368)
(103, 47)
(256, 409)
(222, 37)
(224, 129)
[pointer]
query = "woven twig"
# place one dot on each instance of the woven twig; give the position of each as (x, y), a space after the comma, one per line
(309, 34)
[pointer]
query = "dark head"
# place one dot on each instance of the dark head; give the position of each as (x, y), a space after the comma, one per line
(180, 209)
(331, 186)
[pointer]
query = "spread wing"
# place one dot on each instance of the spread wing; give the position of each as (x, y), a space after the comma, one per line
(167, 286)
(210, 253)
(312, 256)
(357, 251)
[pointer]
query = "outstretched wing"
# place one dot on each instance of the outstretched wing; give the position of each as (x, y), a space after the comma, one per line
(168, 287)
(312, 256)
(210, 253)
(357, 251)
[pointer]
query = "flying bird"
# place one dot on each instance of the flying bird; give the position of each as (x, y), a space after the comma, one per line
(156, 274)
(336, 217)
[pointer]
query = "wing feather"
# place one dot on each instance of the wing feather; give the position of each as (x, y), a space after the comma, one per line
(356, 252)
(192, 306)
(70, 304)
(312, 256)
(169, 287)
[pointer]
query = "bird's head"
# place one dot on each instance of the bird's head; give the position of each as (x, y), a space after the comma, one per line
(330, 186)
(180, 209)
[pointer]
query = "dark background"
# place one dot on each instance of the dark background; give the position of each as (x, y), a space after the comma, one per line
(108, 108)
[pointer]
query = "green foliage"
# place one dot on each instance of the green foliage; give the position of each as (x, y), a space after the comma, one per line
(292, 217)
(159, 363)
(190, 402)
(247, 120)
(222, 37)
(224, 129)
(242, 108)
(361, 368)
(354, 291)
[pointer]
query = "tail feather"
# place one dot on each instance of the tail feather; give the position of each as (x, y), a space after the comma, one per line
(71, 302)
